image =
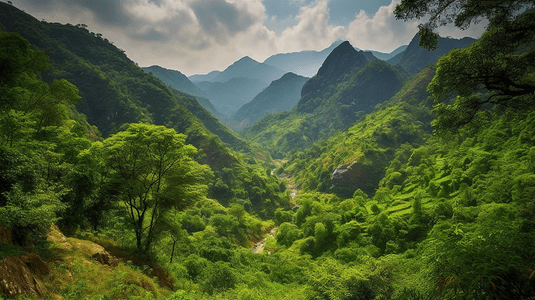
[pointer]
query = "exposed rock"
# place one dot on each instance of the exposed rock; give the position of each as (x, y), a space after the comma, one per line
(16, 279)
(350, 175)
(5, 236)
(95, 251)
(92, 250)
(55, 236)
(36, 264)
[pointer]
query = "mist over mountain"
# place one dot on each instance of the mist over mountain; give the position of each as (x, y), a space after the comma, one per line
(304, 63)
(227, 97)
(281, 94)
(177, 80)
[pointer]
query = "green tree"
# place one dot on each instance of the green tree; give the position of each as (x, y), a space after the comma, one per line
(153, 170)
(497, 70)
(462, 13)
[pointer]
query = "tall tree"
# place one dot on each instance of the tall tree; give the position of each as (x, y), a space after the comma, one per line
(152, 171)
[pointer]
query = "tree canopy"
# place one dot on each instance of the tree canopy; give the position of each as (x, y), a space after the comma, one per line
(459, 12)
(152, 170)
(494, 72)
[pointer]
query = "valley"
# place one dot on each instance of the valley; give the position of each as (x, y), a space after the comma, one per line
(334, 174)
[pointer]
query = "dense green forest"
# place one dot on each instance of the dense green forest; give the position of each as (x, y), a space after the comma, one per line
(381, 183)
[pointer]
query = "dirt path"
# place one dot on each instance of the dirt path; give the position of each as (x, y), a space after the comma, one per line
(259, 247)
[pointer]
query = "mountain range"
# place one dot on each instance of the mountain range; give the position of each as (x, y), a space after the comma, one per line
(346, 87)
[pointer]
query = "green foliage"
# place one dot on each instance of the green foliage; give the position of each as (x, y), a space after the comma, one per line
(152, 171)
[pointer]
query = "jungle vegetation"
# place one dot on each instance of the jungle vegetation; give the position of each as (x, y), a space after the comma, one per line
(426, 193)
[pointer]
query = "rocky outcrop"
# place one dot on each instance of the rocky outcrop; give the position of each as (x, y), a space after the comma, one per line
(36, 264)
(17, 279)
(350, 175)
(91, 249)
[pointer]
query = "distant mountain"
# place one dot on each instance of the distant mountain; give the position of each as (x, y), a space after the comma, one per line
(304, 63)
(249, 68)
(396, 59)
(369, 56)
(204, 77)
(307, 63)
(387, 56)
(229, 96)
(399, 50)
(177, 80)
(416, 58)
(281, 94)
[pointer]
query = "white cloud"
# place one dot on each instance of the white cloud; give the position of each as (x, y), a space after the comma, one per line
(313, 30)
(198, 36)
(381, 31)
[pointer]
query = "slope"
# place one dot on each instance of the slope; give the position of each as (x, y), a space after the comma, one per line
(415, 58)
(345, 88)
(247, 67)
(304, 63)
(177, 80)
(227, 97)
(115, 91)
(281, 94)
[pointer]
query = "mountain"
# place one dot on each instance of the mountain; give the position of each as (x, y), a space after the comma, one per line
(387, 56)
(304, 63)
(346, 87)
(227, 97)
(204, 77)
(177, 80)
(341, 61)
(249, 68)
(416, 58)
(281, 94)
(115, 91)
(174, 79)
(307, 63)
(237, 85)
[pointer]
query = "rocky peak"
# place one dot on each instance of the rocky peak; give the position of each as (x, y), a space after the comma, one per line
(341, 61)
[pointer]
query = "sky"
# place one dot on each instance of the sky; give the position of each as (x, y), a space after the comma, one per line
(199, 36)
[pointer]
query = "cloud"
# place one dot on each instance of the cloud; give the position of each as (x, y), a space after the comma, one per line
(198, 36)
(312, 31)
(381, 31)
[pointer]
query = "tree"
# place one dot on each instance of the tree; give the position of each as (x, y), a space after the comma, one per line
(152, 170)
(462, 13)
(496, 71)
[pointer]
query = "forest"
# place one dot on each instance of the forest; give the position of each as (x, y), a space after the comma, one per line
(385, 181)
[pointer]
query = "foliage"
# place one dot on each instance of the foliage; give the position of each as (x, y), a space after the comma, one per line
(461, 13)
(151, 170)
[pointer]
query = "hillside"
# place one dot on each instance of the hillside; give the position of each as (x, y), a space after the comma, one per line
(345, 88)
(179, 81)
(401, 181)
(415, 58)
(115, 91)
(281, 94)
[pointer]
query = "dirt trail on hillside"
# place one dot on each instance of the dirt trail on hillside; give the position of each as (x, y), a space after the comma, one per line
(259, 247)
